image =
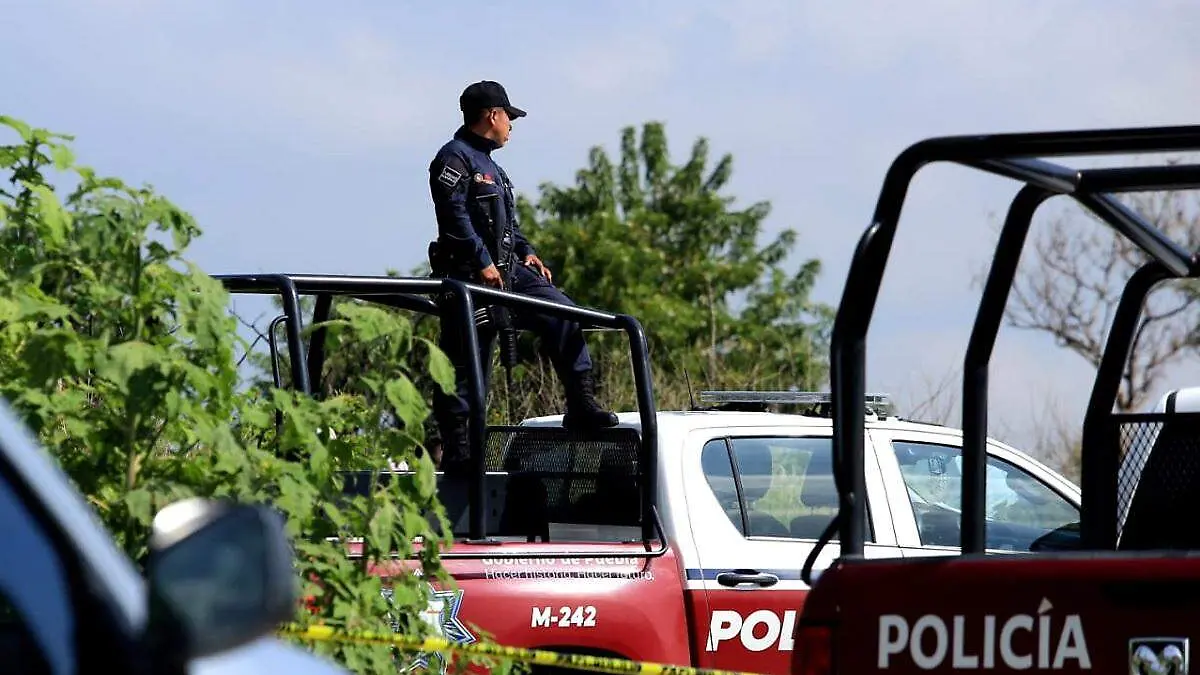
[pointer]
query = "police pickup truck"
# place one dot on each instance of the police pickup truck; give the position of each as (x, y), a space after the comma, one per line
(676, 537)
(220, 581)
(741, 496)
(1115, 591)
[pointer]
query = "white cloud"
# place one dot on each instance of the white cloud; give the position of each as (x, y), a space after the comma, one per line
(760, 29)
(1022, 63)
(357, 93)
(345, 87)
(623, 64)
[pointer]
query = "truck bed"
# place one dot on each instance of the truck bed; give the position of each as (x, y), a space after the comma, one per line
(564, 565)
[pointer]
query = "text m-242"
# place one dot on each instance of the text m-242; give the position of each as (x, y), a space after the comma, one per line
(580, 616)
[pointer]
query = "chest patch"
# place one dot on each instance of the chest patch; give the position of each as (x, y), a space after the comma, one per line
(485, 178)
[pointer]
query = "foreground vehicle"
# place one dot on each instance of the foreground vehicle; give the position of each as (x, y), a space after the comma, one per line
(676, 536)
(1118, 595)
(72, 602)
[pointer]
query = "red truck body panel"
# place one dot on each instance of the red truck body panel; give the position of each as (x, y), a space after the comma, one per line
(1061, 612)
(747, 631)
(589, 598)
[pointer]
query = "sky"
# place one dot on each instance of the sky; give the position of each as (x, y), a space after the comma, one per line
(299, 133)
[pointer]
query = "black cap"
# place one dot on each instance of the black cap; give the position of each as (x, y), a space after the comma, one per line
(487, 94)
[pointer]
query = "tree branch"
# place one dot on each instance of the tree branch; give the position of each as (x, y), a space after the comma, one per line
(1070, 287)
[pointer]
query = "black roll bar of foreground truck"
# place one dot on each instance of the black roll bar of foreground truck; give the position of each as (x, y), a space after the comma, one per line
(1013, 156)
(414, 294)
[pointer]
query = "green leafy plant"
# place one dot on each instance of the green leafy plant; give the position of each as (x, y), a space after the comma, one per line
(119, 353)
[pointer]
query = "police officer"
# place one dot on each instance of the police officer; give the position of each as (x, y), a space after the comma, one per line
(478, 236)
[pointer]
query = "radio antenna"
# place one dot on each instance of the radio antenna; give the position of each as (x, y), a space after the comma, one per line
(691, 397)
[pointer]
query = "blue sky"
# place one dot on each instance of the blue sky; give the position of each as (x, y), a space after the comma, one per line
(298, 133)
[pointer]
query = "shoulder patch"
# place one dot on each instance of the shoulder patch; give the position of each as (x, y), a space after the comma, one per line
(449, 176)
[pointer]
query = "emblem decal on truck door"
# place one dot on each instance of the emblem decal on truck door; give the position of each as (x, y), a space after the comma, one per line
(441, 614)
(1158, 656)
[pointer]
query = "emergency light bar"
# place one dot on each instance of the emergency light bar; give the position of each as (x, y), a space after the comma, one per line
(879, 403)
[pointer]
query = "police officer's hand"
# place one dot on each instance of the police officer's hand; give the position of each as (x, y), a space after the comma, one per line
(532, 259)
(491, 276)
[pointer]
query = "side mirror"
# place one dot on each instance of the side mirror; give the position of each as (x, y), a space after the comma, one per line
(220, 575)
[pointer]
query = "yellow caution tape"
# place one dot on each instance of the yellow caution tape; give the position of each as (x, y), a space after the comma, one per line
(595, 664)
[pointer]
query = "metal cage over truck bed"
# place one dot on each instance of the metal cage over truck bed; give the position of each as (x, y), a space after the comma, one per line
(1171, 476)
(522, 479)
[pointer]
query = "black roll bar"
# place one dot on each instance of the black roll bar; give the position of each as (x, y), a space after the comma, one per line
(979, 354)
(1098, 523)
(1014, 156)
(316, 350)
(413, 294)
(289, 295)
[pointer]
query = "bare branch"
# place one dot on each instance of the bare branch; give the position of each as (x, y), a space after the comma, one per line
(1071, 282)
(252, 325)
(1055, 441)
(939, 399)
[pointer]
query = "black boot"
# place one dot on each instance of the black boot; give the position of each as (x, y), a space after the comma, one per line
(583, 413)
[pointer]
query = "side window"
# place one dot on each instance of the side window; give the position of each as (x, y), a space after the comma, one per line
(1019, 509)
(774, 486)
(718, 470)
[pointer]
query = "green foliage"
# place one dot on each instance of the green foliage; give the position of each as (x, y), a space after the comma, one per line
(120, 355)
(659, 241)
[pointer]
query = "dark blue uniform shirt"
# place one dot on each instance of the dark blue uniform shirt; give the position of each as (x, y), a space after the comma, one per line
(461, 176)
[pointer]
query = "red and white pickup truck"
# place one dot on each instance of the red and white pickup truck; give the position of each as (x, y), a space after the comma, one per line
(742, 498)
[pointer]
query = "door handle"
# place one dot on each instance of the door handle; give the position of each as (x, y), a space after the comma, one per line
(735, 578)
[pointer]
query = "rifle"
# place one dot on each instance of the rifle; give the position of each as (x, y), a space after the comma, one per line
(441, 264)
(498, 315)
